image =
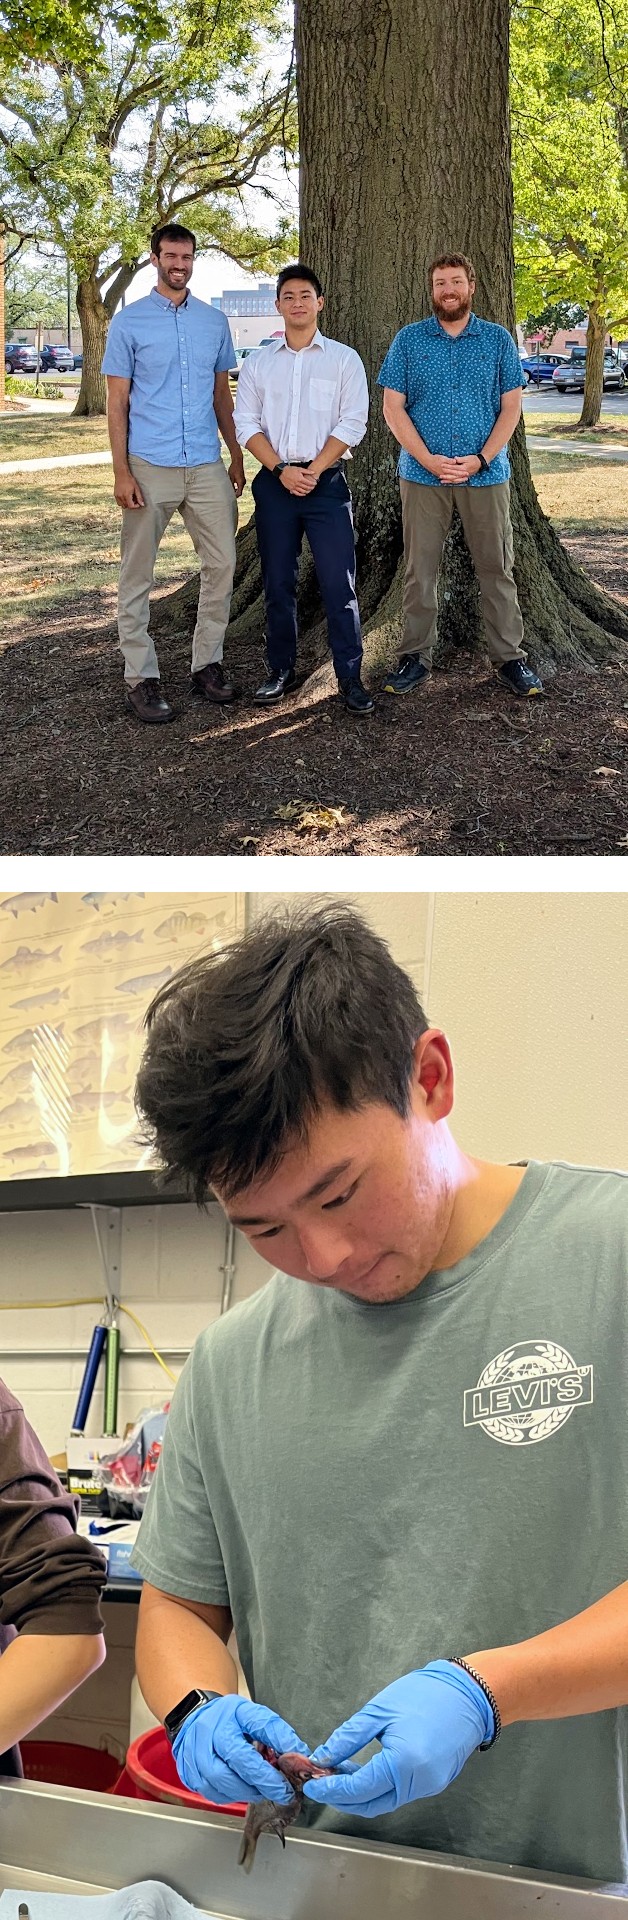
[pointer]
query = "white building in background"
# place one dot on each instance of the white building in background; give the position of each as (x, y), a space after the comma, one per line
(251, 313)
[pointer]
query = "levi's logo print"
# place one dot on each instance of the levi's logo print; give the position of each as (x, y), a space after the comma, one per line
(527, 1392)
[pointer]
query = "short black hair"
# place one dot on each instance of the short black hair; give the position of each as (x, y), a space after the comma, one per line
(171, 232)
(298, 272)
(246, 1045)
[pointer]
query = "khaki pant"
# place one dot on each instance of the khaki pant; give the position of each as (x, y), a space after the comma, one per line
(485, 516)
(206, 501)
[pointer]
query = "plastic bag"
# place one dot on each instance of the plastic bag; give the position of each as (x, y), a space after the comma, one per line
(126, 1475)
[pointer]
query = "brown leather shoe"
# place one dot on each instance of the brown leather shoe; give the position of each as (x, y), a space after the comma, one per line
(211, 684)
(148, 702)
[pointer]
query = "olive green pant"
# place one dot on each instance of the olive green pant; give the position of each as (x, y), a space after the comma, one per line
(485, 516)
(207, 504)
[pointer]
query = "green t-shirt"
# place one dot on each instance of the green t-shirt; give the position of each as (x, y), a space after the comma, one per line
(371, 1487)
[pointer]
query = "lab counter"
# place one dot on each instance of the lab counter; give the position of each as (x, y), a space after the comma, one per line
(58, 1840)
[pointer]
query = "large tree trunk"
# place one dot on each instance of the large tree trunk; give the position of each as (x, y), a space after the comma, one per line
(94, 324)
(405, 152)
(594, 367)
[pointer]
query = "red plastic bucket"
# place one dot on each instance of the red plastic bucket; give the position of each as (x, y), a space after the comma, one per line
(70, 1766)
(151, 1769)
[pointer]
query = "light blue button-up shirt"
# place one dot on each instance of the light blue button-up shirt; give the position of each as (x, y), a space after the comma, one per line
(453, 385)
(170, 354)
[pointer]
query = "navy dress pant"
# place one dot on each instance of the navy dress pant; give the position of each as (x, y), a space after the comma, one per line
(325, 516)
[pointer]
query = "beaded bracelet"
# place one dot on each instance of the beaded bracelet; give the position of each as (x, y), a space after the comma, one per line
(457, 1661)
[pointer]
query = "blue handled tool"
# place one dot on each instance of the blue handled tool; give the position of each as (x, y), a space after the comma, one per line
(88, 1382)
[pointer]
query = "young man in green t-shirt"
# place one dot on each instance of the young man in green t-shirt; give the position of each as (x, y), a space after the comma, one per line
(399, 1469)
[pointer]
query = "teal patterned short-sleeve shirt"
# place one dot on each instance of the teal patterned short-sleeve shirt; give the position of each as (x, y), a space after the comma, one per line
(453, 385)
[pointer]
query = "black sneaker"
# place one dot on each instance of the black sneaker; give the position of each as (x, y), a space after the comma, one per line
(410, 675)
(520, 679)
(355, 696)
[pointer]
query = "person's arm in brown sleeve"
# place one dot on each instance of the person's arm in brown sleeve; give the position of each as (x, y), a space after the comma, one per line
(51, 1580)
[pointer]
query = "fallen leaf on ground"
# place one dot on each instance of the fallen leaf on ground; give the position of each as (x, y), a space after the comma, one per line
(250, 840)
(310, 818)
(607, 769)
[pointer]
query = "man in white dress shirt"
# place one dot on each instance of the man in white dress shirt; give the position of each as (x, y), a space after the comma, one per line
(302, 402)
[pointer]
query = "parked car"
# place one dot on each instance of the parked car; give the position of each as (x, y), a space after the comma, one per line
(240, 355)
(78, 361)
(56, 360)
(570, 379)
(541, 372)
(18, 358)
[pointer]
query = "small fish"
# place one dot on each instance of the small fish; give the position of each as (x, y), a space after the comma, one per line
(27, 957)
(105, 1023)
(49, 999)
(26, 902)
(82, 1071)
(144, 981)
(18, 1110)
(41, 1148)
(19, 1076)
(181, 923)
(96, 899)
(23, 1042)
(89, 1102)
(111, 942)
(272, 1816)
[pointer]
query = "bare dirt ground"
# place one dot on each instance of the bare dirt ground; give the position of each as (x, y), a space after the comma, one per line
(462, 768)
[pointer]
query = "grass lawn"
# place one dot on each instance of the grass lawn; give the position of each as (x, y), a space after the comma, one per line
(579, 494)
(60, 533)
(612, 426)
(39, 436)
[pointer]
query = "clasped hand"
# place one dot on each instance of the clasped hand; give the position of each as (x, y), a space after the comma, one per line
(429, 1723)
(456, 471)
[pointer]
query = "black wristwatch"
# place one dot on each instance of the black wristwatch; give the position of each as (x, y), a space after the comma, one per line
(175, 1718)
(280, 466)
(483, 463)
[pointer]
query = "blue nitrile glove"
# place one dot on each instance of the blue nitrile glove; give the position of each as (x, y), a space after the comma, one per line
(429, 1723)
(214, 1757)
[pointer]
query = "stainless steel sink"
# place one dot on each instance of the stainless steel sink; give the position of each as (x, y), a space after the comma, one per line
(57, 1839)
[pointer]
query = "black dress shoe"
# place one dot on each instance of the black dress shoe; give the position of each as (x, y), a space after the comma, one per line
(275, 687)
(355, 696)
(148, 703)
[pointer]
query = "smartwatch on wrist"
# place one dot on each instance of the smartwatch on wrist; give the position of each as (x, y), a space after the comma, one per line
(484, 464)
(174, 1719)
(280, 467)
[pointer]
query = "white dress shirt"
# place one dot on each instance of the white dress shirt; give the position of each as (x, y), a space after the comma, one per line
(297, 399)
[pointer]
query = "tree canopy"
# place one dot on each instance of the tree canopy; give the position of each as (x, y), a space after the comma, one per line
(170, 124)
(570, 175)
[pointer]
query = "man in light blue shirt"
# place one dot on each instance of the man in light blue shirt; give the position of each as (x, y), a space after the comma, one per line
(167, 362)
(452, 397)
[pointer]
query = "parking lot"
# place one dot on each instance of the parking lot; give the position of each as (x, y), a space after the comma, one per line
(545, 400)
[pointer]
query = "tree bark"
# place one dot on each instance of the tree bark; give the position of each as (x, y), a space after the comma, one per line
(95, 312)
(405, 152)
(594, 367)
(94, 320)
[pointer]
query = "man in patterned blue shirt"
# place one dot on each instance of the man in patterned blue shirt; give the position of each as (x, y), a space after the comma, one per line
(452, 397)
(167, 363)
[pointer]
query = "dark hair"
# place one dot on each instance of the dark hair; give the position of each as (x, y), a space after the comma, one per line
(450, 260)
(246, 1045)
(299, 272)
(171, 232)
